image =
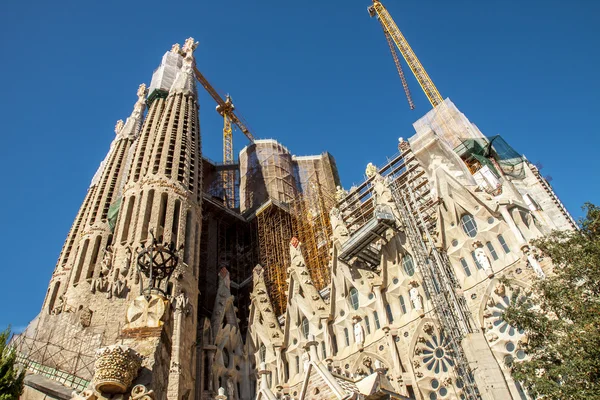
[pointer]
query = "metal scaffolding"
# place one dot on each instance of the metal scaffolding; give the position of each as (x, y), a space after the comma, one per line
(312, 227)
(274, 226)
(439, 281)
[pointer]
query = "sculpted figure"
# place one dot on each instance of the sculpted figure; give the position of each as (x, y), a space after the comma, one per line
(340, 232)
(340, 194)
(371, 170)
(482, 259)
(305, 360)
(107, 260)
(415, 298)
(230, 388)
(359, 333)
(60, 304)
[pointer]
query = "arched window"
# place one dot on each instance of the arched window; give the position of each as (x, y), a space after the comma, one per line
(346, 336)
(305, 327)
(469, 225)
(376, 318)
(503, 244)
(408, 264)
(354, 298)
(297, 364)
(402, 304)
(263, 353)
(388, 310)
(465, 266)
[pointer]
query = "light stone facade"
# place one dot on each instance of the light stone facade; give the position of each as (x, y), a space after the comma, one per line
(424, 243)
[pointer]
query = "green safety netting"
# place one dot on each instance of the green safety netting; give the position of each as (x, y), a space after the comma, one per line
(484, 149)
(113, 212)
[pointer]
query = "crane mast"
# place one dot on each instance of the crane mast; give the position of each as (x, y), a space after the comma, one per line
(226, 109)
(391, 29)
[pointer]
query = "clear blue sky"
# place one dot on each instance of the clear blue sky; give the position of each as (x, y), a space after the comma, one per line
(316, 75)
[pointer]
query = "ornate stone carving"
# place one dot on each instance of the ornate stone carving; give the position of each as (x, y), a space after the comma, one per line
(140, 392)
(415, 298)
(85, 317)
(60, 305)
(359, 333)
(115, 368)
(87, 394)
(107, 261)
(371, 170)
(483, 259)
(500, 290)
(428, 328)
(340, 231)
(182, 303)
(367, 362)
(119, 126)
(146, 313)
(340, 194)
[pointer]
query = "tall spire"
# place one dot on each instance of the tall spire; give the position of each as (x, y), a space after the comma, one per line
(132, 126)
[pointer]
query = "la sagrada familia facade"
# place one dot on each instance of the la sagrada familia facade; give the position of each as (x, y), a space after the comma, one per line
(161, 291)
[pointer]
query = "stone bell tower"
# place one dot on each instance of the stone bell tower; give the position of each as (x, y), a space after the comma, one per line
(125, 288)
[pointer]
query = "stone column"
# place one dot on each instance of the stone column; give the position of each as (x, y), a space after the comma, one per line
(390, 335)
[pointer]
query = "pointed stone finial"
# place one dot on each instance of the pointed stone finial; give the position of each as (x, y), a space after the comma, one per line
(141, 93)
(190, 45)
(176, 48)
(371, 170)
(119, 126)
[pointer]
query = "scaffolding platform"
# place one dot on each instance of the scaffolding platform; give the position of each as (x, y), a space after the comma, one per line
(361, 244)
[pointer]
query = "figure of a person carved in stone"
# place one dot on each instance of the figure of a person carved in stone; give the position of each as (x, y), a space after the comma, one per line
(107, 260)
(305, 360)
(359, 333)
(415, 298)
(482, 259)
(340, 232)
(230, 388)
(60, 305)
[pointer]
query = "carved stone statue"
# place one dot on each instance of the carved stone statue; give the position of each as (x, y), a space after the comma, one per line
(340, 194)
(415, 298)
(359, 333)
(230, 388)
(482, 259)
(371, 170)
(305, 360)
(107, 260)
(85, 317)
(119, 126)
(340, 231)
(182, 303)
(60, 305)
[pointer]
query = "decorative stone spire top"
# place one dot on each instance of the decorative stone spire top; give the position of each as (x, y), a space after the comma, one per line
(133, 124)
(185, 82)
(189, 46)
(176, 48)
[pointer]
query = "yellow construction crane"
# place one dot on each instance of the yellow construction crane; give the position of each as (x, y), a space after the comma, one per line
(394, 35)
(226, 109)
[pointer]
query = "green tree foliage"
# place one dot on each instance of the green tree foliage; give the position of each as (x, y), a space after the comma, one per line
(11, 380)
(561, 318)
